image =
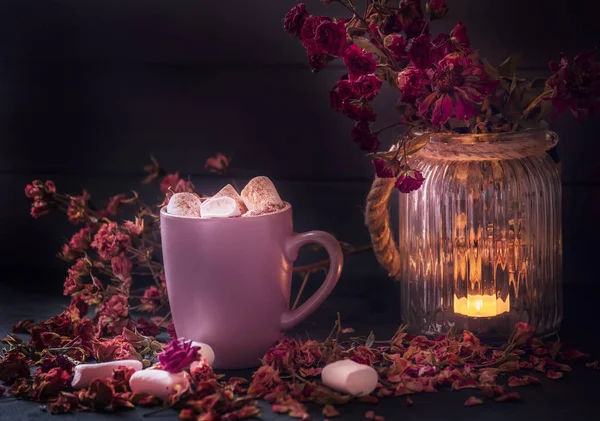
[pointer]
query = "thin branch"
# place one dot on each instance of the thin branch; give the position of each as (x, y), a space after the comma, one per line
(304, 282)
(322, 264)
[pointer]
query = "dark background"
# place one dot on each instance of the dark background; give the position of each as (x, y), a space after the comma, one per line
(89, 89)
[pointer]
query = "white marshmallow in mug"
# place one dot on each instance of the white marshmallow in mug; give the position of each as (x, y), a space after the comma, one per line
(84, 374)
(220, 207)
(159, 383)
(206, 352)
(260, 194)
(350, 377)
(184, 204)
(229, 191)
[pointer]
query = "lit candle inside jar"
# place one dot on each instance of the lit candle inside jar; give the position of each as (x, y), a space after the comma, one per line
(481, 305)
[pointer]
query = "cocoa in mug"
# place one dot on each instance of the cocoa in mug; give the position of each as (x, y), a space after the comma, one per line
(228, 265)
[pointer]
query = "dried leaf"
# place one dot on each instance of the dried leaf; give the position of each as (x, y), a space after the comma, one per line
(408, 401)
(368, 46)
(490, 69)
(370, 340)
(23, 326)
(509, 66)
(473, 400)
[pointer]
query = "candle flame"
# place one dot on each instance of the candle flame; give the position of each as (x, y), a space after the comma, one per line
(481, 305)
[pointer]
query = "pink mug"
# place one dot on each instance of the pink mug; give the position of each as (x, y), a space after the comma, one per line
(229, 281)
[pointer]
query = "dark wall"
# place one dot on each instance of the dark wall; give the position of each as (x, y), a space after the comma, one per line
(88, 89)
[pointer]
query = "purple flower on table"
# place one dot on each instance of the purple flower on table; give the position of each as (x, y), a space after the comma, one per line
(178, 355)
(459, 84)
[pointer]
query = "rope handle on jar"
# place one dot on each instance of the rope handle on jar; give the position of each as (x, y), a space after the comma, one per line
(377, 219)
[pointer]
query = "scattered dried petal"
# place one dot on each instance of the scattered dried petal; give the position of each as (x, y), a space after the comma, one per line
(509, 397)
(473, 400)
(593, 364)
(330, 411)
(573, 354)
(523, 381)
(554, 374)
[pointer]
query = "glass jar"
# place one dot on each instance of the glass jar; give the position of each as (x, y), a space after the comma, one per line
(480, 242)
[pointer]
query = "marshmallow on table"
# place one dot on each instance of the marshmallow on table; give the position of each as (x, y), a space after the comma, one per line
(229, 191)
(260, 195)
(349, 377)
(157, 383)
(206, 352)
(83, 374)
(184, 204)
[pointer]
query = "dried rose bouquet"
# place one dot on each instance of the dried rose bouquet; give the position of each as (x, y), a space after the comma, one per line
(443, 83)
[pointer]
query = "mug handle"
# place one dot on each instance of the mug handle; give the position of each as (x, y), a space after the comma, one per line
(291, 318)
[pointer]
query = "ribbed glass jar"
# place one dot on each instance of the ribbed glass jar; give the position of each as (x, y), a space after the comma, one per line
(480, 242)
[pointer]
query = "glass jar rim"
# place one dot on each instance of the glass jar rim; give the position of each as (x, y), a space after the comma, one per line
(540, 134)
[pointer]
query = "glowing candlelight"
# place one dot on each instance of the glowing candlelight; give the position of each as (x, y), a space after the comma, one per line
(481, 305)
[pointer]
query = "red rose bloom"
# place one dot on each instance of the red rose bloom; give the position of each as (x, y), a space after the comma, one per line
(391, 24)
(169, 181)
(458, 36)
(364, 137)
(343, 90)
(436, 9)
(411, 18)
(411, 82)
(121, 266)
(330, 37)
(409, 180)
(317, 62)
(368, 86)
(441, 46)
(577, 86)
(116, 307)
(358, 110)
(114, 203)
(359, 62)
(294, 19)
(397, 45)
(309, 32)
(419, 52)
(385, 168)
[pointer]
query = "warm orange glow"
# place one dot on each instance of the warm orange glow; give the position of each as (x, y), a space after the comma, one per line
(481, 305)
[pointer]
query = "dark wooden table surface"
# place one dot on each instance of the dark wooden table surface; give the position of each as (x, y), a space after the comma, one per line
(574, 397)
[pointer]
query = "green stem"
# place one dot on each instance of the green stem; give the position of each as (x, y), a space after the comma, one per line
(535, 102)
